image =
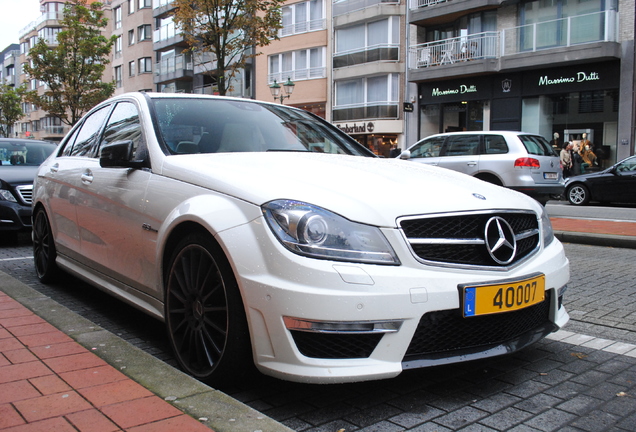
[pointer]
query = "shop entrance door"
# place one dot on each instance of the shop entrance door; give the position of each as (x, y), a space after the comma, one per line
(463, 116)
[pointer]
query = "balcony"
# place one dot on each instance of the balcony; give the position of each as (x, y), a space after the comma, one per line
(573, 39)
(372, 110)
(342, 7)
(380, 52)
(298, 75)
(173, 68)
(303, 27)
(34, 24)
(433, 12)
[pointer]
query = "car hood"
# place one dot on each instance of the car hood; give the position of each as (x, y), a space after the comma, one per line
(584, 177)
(18, 174)
(369, 190)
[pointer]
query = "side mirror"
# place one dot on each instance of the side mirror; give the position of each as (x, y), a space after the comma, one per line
(117, 155)
(406, 154)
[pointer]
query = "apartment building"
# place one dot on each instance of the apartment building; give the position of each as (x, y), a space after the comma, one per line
(549, 67)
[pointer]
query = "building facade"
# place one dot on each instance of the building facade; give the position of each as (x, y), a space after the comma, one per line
(560, 67)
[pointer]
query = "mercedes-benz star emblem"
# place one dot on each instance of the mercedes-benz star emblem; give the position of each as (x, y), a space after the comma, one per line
(500, 240)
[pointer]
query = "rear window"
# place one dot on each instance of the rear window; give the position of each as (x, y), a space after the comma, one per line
(537, 145)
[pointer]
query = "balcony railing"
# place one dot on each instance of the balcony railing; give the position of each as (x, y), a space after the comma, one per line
(380, 52)
(450, 51)
(298, 74)
(416, 4)
(576, 30)
(44, 17)
(341, 7)
(173, 64)
(303, 27)
(565, 32)
(159, 3)
(165, 32)
(59, 130)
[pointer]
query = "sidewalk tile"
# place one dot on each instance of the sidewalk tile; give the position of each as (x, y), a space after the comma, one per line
(9, 417)
(10, 323)
(44, 339)
(58, 350)
(140, 411)
(181, 423)
(22, 355)
(92, 421)
(32, 329)
(10, 344)
(115, 392)
(74, 362)
(55, 405)
(49, 425)
(50, 384)
(18, 390)
(92, 377)
(23, 371)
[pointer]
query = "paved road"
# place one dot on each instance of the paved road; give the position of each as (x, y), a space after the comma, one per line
(586, 382)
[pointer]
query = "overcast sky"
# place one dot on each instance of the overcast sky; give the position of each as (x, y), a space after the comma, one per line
(14, 16)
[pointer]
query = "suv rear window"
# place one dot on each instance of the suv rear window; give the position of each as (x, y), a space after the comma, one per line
(537, 145)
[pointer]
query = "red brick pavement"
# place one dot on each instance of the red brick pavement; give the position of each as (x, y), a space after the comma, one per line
(594, 226)
(49, 383)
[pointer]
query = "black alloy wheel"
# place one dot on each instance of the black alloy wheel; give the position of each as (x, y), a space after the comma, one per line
(44, 252)
(578, 194)
(204, 313)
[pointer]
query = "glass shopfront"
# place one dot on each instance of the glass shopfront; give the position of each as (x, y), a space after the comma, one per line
(567, 101)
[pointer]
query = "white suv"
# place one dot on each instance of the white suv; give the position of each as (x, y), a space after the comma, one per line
(516, 160)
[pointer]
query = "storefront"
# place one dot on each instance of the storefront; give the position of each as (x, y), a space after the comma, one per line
(569, 101)
(379, 136)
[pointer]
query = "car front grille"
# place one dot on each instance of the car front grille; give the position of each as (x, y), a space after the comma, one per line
(26, 193)
(460, 238)
(442, 332)
(335, 346)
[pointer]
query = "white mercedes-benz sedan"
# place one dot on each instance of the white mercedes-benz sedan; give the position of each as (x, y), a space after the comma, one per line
(262, 235)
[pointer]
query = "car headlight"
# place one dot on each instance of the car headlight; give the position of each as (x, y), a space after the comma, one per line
(7, 195)
(548, 232)
(318, 233)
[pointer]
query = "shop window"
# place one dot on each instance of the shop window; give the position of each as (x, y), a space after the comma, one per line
(591, 102)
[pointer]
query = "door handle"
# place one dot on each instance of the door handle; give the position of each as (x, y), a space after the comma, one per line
(87, 177)
(55, 168)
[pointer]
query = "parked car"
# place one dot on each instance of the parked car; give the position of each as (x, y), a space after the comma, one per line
(19, 161)
(615, 184)
(521, 161)
(262, 235)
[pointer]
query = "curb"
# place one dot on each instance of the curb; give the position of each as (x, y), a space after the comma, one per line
(607, 240)
(221, 412)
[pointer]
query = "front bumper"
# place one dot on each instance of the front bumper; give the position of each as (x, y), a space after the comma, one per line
(14, 216)
(277, 285)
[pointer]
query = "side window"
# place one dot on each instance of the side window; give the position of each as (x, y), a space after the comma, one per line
(68, 146)
(87, 137)
(495, 144)
(124, 125)
(461, 145)
(429, 148)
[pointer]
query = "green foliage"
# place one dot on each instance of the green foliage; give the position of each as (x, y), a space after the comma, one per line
(10, 107)
(230, 30)
(72, 70)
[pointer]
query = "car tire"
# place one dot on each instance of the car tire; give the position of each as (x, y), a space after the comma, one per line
(204, 313)
(44, 252)
(578, 194)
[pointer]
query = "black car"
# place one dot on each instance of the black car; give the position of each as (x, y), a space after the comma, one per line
(615, 184)
(19, 161)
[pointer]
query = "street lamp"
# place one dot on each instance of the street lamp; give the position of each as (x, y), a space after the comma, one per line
(288, 88)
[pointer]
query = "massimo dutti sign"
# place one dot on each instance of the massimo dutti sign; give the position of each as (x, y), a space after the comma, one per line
(456, 90)
(588, 77)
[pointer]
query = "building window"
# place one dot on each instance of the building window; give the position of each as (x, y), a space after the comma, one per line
(131, 6)
(368, 97)
(145, 65)
(117, 17)
(145, 4)
(118, 47)
(303, 17)
(369, 42)
(131, 68)
(144, 32)
(297, 65)
(49, 34)
(118, 80)
(131, 37)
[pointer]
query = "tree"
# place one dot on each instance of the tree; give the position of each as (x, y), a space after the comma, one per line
(72, 70)
(230, 30)
(10, 107)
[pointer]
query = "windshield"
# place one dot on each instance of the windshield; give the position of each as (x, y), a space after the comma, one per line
(23, 152)
(191, 125)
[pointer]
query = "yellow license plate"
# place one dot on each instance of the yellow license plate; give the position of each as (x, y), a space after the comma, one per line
(502, 297)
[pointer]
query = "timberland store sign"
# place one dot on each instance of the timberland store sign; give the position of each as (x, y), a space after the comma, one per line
(374, 127)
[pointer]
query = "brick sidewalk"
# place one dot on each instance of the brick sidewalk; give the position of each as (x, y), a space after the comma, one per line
(48, 382)
(594, 226)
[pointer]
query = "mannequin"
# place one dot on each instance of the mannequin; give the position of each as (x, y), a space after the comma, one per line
(585, 142)
(588, 156)
(556, 142)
